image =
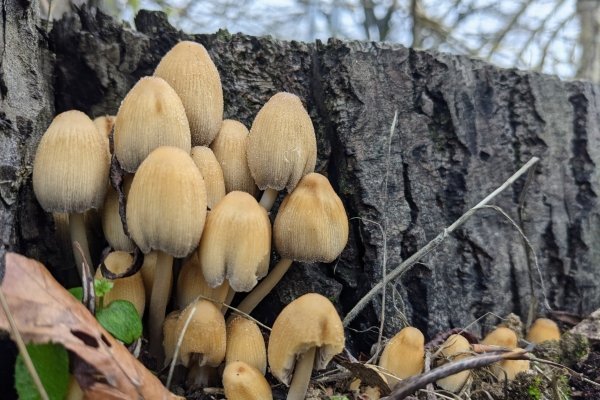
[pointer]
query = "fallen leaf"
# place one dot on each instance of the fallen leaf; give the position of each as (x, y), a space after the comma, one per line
(46, 312)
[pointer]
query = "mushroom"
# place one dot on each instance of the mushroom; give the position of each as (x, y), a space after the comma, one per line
(191, 284)
(245, 343)
(244, 382)
(501, 336)
(130, 288)
(404, 355)
(307, 332)
(105, 125)
(166, 210)
(70, 172)
(282, 147)
(204, 341)
(311, 225)
(211, 172)
(506, 369)
(509, 369)
(187, 67)
(150, 116)
(543, 329)
(229, 148)
(455, 347)
(236, 243)
(111, 219)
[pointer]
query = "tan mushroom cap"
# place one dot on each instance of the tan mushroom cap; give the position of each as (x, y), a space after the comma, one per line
(111, 219)
(191, 284)
(543, 329)
(188, 68)
(71, 164)
(229, 148)
(205, 336)
(244, 382)
(404, 354)
(311, 224)
(236, 243)
(105, 124)
(509, 369)
(150, 116)
(245, 343)
(501, 336)
(170, 335)
(166, 206)
(455, 347)
(130, 288)
(309, 321)
(282, 147)
(211, 172)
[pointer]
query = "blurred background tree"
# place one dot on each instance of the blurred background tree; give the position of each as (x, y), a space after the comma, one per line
(558, 37)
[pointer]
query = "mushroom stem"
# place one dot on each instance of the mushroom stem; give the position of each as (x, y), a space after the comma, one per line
(268, 198)
(158, 300)
(302, 372)
(201, 376)
(261, 290)
(228, 298)
(77, 232)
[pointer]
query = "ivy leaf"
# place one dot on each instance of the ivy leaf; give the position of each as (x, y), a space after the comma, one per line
(102, 287)
(77, 292)
(51, 362)
(121, 319)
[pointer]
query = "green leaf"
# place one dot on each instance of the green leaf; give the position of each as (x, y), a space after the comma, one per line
(51, 362)
(121, 319)
(102, 287)
(77, 292)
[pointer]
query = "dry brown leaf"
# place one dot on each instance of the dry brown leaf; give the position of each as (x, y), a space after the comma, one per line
(45, 312)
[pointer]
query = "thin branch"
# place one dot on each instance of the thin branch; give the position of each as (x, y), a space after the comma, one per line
(507, 28)
(434, 243)
(179, 342)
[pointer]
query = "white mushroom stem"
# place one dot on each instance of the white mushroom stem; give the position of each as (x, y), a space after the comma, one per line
(301, 377)
(159, 299)
(268, 198)
(78, 235)
(265, 286)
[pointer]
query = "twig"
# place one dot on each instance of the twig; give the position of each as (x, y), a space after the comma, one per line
(178, 346)
(569, 370)
(248, 316)
(22, 348)
(434, 243)
(87, 283)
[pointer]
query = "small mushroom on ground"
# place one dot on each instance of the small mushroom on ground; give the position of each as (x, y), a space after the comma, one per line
(130, 288)
(229, 148)
(246, 343)
(308, 332)
(543, 329)
(506, 369)
(311, 225)
(211, 172)
(166, 210)
(244, 382)
(70, 172)
(509, 369)
(501, 336)
(150, 116)
(282, 146)
(404, 355)
(455, 348)
(187, 67)
(191, 284)
(111, 219)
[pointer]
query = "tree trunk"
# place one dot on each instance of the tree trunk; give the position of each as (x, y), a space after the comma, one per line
(464, 127)
(588, 12)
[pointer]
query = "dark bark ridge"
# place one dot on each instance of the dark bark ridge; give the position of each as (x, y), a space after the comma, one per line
(464, 127)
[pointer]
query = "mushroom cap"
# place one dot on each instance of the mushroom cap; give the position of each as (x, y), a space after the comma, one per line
(111, 219)
(206, 334)
(282, 147)
(543, 329)
(455, 347)
(309, 321)
(150, 116)
(105, 124)
(211, 172)
(166, 206)
(509, 369)
(188, 68)
(311, 224)
(245, 343)
(191, 283)
(244, 382)
(236, 243)
(229, 148)
(170, 335)
(404, 354)
(130, 288)
(71, 164)
(501, 336)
